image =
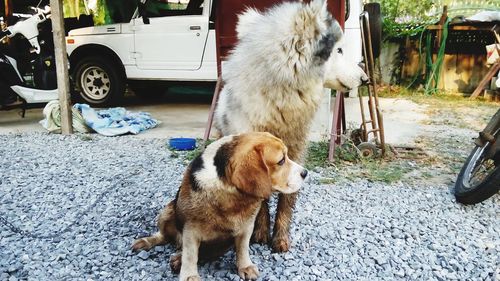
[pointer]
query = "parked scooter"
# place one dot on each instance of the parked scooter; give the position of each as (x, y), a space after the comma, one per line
(43, 85)
(479, 178)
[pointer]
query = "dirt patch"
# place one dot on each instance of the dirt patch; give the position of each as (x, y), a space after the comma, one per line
(443, 127)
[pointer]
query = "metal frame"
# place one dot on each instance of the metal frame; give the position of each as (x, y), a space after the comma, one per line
(376, 119)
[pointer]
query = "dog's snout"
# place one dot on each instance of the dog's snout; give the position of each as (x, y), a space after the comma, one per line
(303, 174)
(365, 80)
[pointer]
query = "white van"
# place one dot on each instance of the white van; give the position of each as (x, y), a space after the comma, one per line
(163, 41)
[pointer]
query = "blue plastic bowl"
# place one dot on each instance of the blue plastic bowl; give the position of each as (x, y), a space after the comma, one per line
(182, 143)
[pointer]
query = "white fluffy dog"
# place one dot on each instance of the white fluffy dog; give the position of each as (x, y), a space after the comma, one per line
(273, 82)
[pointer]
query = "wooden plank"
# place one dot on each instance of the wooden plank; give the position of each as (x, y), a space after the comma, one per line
(450, 76)
(460, 27)
(61, 58)
(493, 70)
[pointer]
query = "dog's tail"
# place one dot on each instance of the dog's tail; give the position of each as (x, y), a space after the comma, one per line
(168, 231)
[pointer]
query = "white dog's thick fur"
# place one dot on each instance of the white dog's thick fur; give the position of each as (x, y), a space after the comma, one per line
(274, 78)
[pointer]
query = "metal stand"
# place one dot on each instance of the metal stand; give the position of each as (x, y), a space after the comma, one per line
(376, 119)
(338, 125)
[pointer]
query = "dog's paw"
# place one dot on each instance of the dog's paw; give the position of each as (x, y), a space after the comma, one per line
(192, 278)
(175, 263)
(281, 244)
(249, 273)
(261, 236)
(141, 244)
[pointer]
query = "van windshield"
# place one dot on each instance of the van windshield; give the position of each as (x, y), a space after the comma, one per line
(162, 8)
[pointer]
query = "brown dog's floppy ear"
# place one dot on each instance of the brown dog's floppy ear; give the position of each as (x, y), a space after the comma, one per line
(251, 174)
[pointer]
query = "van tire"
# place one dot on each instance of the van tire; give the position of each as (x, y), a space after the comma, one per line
(98, 81)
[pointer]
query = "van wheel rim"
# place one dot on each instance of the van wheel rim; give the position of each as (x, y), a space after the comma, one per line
(95, 83)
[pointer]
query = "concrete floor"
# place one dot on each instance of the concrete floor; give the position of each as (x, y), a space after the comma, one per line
(185, 115)
(180, 116)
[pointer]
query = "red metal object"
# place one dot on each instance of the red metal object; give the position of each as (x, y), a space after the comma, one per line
(338, 125)
(226, 18)
(227, 12)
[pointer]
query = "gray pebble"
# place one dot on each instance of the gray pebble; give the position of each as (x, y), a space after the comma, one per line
(143, 255)
(112, 189)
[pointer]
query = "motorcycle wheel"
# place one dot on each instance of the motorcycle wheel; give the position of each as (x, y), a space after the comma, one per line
(479, 178)
(98, 82)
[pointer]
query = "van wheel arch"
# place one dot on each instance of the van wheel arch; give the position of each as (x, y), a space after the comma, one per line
(109, 66)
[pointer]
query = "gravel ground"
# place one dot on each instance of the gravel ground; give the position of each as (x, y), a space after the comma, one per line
(70, 208)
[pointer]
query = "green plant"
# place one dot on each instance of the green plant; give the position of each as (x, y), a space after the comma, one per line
(404, 18)
(190, 154)
(388, 172)
(317, 155)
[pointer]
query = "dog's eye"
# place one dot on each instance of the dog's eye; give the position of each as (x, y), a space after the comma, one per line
(339, 50)
(282, 161)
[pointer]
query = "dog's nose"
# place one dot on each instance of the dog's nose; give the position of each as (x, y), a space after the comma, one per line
(303, 174)
(365, 80)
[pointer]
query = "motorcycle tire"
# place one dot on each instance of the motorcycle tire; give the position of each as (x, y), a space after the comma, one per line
(489, 186)
(98, 82)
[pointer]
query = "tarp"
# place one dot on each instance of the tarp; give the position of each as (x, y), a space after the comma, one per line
(108, 122)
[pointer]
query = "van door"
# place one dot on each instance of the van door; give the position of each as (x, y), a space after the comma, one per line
(175, 37)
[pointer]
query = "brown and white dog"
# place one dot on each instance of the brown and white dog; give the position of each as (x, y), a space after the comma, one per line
(219, 198)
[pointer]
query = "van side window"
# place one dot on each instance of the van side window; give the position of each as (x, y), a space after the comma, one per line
(165, 8)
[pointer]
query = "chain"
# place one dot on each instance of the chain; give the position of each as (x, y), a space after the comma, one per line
(12, 227)
(64, 230)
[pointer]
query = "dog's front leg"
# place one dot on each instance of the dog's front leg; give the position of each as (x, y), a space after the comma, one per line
(246, 269)
(190, 247)
(262, 225)
(284, 212)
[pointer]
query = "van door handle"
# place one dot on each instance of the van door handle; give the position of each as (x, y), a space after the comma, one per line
(195, 27)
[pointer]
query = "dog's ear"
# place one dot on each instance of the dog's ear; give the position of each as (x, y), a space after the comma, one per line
(319, 6)
(308, 22)
(251, 174)
(247, 22)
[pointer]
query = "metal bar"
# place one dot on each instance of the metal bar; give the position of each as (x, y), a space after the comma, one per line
(368, 65)
(374, 107)
(61, 57)
(210, 120)
(335, 127)
(380, 121)
(363, 119)
(342, 106)
(218, 86)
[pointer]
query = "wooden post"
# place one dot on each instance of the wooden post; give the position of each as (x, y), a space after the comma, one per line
(61, 57)
(442, 20)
